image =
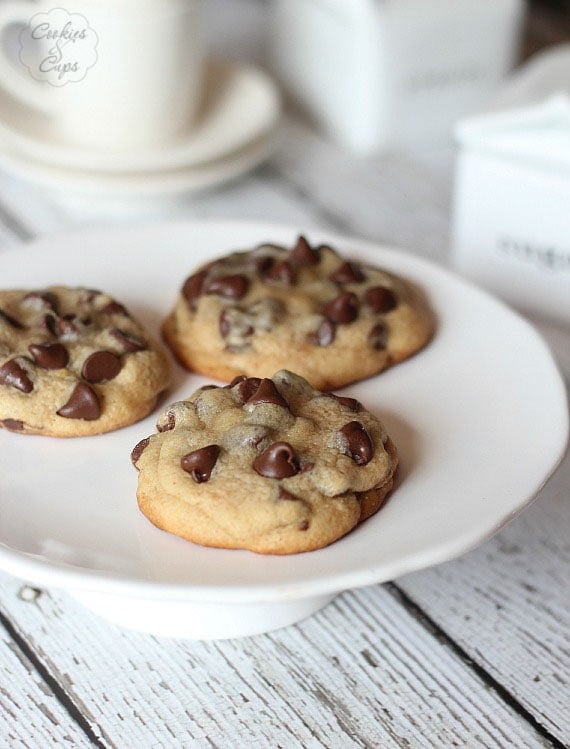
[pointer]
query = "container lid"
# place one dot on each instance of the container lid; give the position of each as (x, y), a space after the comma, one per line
(539, 134)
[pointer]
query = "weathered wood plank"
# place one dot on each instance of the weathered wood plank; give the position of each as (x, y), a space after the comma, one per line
(360, 673)
(30, 714)
(507, 605)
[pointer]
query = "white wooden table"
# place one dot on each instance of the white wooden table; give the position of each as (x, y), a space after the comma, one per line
(475, 652)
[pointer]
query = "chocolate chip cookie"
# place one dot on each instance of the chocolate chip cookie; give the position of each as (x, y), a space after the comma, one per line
(266, 464)
(74, 362)
(332, 320)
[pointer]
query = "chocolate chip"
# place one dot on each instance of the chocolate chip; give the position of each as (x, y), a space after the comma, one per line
(280, 272)
(347, 273)
(229, 287)
(114, 308)
(325, 334)
(200, 463)
(261, 264)
(278, 461)
(378, 337)
(267, 393)
(236, 381)
(5, 317)
(342, 309)
(130, 342)
(14, 425)
(304, 525)
(49, 355)
(49, 322)
(138, 450)
(350, 403)
(304, 254)
(101, 367)
(82, 404)
(359, 444)
(380, 299)
(247, 387)
(192, 288)
(14, 375)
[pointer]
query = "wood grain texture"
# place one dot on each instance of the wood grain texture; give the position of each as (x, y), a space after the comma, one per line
(360, 673)
(507, 604)
(30, 714)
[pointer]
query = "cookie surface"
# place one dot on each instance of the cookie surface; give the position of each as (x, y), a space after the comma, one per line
(266, 464)
(307, 309)
(73, 362)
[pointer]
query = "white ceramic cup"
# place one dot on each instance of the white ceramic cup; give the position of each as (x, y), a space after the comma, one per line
(110, 74)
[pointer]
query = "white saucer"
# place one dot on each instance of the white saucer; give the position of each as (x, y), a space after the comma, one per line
(242, 104)
(124, 186)
(475, 442)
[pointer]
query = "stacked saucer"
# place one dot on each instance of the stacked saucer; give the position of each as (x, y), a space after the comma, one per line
(233, 134)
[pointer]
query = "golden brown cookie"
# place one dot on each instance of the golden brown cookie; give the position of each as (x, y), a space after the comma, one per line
(308, 309)
(266, 464)
(73, 362)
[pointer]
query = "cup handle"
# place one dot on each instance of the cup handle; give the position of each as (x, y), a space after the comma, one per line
(18, 83)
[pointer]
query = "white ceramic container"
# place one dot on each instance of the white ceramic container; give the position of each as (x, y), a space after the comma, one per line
(511, 222)
(378, 74)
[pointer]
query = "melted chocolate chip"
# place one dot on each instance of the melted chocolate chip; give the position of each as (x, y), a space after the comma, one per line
(229, 287)
(49, 322)
(101, 367)
(5, 317)
(359, 444)
(380, 299)
(378, 337)
(130, 342)
(114, 308)
(13, 425)
(82, 404)
(304, 254)
(49, 355)
(247, 387)
(278, 461)
(267, 393)
(350, 403)
(262, 264)
(200, 463)
(304, 525)
(325, 334)
(347, 273)
(138, 450)
(192, 288)
(14, 375)
(342, 309)
(280, 272)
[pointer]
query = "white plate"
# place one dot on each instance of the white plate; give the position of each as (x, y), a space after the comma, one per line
(479, 417)
(241, 105)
